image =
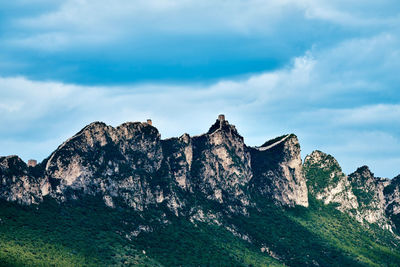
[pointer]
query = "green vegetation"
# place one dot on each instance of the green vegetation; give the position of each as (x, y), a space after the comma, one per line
(82, 233)
(319, 178)
(319, 234)
(364, 197)
(87, 233)
(368, 246)
(274, 140)
(182, 243)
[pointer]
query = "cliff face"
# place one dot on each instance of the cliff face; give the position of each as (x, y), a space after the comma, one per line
(131, 165)
(278, 172)
(392, 201)
(18, 182)
(221, 165)
(369, 192)
(360, 194)
(327, 182)
(114, 162)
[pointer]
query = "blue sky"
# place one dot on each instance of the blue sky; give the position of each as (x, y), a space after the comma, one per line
(325, 70)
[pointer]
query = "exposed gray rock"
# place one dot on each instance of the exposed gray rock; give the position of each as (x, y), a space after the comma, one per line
(360, 194)
(115, 162)
(278, 172)
(327, 182)
(221, 166)
(18, 182)
(130, 164)
(369, 192)
(392, 201)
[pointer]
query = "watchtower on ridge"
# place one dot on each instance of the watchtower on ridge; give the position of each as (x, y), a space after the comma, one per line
(32, 163)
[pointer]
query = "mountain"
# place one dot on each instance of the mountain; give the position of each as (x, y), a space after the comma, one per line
(367, 198)
(124, 196)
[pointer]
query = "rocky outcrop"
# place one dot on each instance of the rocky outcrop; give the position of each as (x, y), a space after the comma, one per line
(327, 182)
(360, 194)
(18, 181)
(278, 172)
(131, 165)
(221, 165)
(392, 201)
(114, 162)
(369, 192)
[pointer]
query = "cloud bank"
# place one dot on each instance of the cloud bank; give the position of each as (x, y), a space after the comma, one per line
(96, 42)
(325, 70)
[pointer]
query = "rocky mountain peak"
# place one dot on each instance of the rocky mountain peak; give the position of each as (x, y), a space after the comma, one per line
(222, 125)
(291, 147)
(322, 171)
(185, 138)
(362, 173)
(322, 159)
(130, 129)
(131, 164)
(18, 182)
(327, 182)
(369, 191)
(360, 194)
(11, 162)
(278, 171)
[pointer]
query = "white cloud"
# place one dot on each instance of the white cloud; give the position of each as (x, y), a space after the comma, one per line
(351, 14)
(87, 22)
(330, 98)
(374, 114)
(192, 107)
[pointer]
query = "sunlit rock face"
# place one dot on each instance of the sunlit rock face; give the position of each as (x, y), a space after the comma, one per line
(278, 172)
(360, 194)
(114, 162)
(221, 166)
(131, 165)
(369, 191)
(327, 182)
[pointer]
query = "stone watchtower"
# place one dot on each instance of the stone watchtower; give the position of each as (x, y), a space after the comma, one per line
(32, 163)
(149, 122)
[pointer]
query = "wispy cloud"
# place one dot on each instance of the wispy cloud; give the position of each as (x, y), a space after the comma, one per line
(326, 70)
(312, 96)
(94, 42)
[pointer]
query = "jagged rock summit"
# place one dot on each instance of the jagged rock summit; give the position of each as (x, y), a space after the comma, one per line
(130, 165)
(133, 166)
(113, 196)
(278, 171)
(361, 194)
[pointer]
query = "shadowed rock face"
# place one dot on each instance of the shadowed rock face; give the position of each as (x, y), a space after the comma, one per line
(131, 165)
(392, 201)
(278, 173)
(18, 181)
